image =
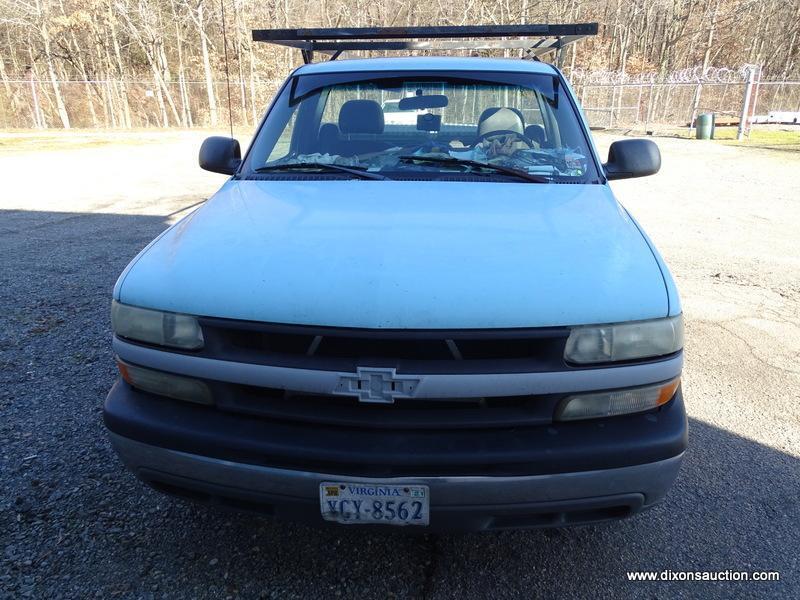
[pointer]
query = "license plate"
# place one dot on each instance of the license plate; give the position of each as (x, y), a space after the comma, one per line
(363, 503)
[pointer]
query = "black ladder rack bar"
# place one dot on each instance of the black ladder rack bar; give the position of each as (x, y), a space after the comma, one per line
(535, 39)
(542, 44)
(463, 31)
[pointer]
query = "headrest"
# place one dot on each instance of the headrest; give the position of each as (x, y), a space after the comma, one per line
(535, 133)
(328, 131)
(500, 119)
(361, 116)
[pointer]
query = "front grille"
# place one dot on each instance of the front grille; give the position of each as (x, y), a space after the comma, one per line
(409, 351)
(413, 352)
(409, 414)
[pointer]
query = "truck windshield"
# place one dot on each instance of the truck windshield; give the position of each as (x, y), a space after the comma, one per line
(425, 125)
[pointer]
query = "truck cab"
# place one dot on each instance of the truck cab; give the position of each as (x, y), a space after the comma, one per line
(448, 323)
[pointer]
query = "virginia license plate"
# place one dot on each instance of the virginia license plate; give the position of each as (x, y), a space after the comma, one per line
(362, 503)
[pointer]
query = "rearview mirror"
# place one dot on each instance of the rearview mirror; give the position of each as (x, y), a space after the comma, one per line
(220, 155)
(632, 158)
(419, 102)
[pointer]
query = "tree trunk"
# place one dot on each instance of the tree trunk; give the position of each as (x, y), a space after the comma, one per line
(238, 49)
(152, 54)
(87, 85)
(39, 116)
(162, 108)
(212, 99)
(161, 80)
(186, 109)
(253, 85)
(123, 90)
(51, 70)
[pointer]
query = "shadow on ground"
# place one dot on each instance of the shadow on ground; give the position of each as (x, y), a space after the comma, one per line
(74, 523)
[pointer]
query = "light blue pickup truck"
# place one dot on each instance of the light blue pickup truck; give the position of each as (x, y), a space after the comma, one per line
(450, 323)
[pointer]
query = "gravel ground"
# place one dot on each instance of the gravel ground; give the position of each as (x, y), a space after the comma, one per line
(75, 524)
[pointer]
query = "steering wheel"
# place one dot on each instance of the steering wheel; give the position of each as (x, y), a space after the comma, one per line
(523, 138)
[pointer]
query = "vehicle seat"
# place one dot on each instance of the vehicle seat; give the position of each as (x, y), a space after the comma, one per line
(501, 119)
(328, 138)
(537, 134)
(360, 117)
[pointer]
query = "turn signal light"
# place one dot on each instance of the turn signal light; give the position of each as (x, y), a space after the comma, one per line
(616, 402)
(165, 384)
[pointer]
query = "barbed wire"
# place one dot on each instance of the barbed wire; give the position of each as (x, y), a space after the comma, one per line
(578, 76)
(696, 74)
(150, 82)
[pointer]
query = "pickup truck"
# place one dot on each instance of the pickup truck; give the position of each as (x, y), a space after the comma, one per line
(450, 328)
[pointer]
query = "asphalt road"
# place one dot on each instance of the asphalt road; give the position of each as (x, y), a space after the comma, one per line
(75, 524)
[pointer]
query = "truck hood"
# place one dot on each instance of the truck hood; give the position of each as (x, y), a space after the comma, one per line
(384, 254)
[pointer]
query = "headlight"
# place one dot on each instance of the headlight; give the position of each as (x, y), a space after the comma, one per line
(156, 327)
(624, 341)
(165, 384)
(619, 402)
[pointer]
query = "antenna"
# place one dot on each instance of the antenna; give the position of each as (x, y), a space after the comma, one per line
(227, 73)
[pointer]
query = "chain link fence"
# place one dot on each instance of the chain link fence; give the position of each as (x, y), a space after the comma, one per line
(610, 100)
(113, 103)
(737, 96)
(678, 104)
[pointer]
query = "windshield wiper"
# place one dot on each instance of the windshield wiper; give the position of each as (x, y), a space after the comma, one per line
(361, 173)
(478, 165)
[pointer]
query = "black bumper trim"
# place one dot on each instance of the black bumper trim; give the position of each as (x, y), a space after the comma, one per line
(558, 513)
(556, 448)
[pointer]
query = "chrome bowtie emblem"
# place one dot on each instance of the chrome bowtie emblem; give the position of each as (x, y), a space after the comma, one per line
(377, 385)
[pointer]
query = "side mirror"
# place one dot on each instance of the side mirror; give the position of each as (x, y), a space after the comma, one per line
(220, 155)
(632, 158)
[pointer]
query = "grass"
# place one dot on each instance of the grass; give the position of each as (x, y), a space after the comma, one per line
(27, 140)
(773, 137)
(39, 142)
(777, 139)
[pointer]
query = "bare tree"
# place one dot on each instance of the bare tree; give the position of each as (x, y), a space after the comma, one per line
(120, 49)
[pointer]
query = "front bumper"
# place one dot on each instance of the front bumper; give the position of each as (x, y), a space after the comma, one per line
(553, 475)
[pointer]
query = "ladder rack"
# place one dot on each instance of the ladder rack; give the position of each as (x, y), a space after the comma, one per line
(535, 40)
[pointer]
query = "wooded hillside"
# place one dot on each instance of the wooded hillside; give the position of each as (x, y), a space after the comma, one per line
(174, 48)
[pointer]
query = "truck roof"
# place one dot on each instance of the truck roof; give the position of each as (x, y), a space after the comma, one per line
(427, 63)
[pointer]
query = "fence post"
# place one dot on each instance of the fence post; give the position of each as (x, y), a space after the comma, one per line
(695, 105)
(649, 105)
(639, 105)
(756, 89)
(611, 106)
(748, 90)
